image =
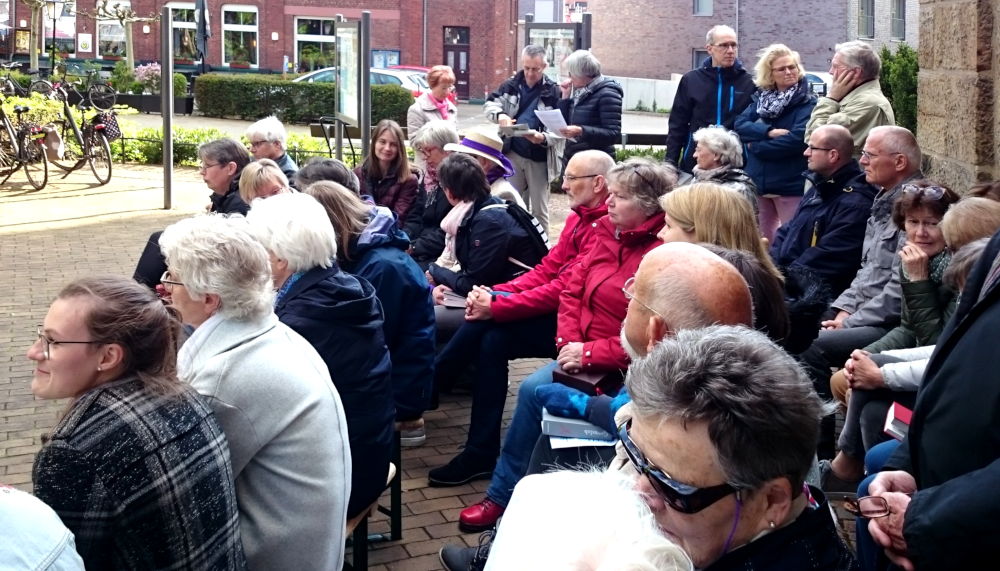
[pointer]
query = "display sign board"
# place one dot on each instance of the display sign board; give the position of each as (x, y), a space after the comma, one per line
(348, 72)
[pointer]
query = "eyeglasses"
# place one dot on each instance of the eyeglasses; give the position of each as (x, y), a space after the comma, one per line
(167, 282)
(870, 156)
(48, 342)
(204, 167)
(426, 150)
(255, 144)
(932, 192)
(727, 45)
(571, 177)
(679, 496)
(792, 67)
(812, 148)
(871, 507)
(627, 289)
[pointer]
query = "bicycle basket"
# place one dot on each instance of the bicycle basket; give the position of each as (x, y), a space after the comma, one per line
(112, 132)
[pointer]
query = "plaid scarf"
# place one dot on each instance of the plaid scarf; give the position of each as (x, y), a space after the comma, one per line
(772, 102)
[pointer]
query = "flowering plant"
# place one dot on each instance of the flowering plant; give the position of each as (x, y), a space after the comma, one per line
(149, 76)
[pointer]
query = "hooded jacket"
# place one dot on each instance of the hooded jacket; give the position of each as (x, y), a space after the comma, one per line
(341, 318)
(705, 96)
(599, 113)
(379, 256)
(592, 307)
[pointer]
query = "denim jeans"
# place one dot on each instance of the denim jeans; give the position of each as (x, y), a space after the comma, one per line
(524, 430)
(871, 556)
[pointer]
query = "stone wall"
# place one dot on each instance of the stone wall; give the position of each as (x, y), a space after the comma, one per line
(958, 121)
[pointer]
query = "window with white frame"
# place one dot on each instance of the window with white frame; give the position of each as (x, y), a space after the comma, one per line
(65, 30)
(111, 34)
(866, 19)
(898, 29)
(315, 43)
(702, 7)
(239, 35)
(184, 25)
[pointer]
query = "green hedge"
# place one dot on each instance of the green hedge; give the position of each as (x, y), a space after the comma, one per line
(250, 96)
(899, 83)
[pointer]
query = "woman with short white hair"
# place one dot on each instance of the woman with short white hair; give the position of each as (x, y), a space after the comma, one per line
(340, 315)
(718, 156)
(591, 104)
(269, 390)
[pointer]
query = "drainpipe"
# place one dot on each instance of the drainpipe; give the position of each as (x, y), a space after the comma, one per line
(423, 49)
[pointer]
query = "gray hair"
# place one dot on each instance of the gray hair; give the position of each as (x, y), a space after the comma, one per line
(225, 150)
(760, 407)
(723, 143)
(436, 133)
(582, 63)
(295, 228)
(861, 55)
(961, 264)
(216, 254)
(320, 168)
(645, 180)
(710, 36)
(900, 140)
(270, 129)
(256, 174)
(533, 50)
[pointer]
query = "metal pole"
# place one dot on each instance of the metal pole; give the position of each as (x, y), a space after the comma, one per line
(52, 58)
(366, 92)
(167, 102)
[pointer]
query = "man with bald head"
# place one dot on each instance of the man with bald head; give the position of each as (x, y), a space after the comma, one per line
(819, 250)
(677, 286)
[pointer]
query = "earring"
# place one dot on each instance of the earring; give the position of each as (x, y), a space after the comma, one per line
(772, 525)
(99, 368)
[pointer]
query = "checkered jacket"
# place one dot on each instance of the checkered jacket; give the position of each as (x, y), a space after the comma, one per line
(143, 481)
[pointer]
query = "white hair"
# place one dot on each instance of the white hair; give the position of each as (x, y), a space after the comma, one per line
(269, 128)
(719, 29)
(295, 228)
(722, 142)
(531, 537)
(582, 63)
(216, 254)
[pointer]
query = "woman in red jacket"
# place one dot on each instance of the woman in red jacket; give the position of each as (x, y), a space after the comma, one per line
(591, 311)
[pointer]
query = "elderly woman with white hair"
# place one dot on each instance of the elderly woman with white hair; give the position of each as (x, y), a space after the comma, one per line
(270, 391)
(423, 224)
(267, 141)
(340, 315)
(591, 106)
(718, 156)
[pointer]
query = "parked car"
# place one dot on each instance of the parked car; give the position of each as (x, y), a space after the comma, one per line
(820, 82)
(452, 95)
(414, 81)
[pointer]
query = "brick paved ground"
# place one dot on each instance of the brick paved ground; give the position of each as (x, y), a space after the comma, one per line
(73, 228)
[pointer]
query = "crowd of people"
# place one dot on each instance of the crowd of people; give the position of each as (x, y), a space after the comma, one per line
(236, 403)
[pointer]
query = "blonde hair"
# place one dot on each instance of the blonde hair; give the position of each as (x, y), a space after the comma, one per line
(348, 213)
(258, 173)
(969, 219)
(763, 76)
(719, 216)
(439, 73)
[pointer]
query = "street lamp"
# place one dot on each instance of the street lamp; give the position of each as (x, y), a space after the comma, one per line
(56, 7)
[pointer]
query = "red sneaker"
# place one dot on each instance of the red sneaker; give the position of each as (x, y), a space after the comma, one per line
(480, 517)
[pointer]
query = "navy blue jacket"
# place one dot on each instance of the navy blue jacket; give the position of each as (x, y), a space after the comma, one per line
(705, 96)
(776, 165)
(599, 113)
(827, 233)
(342, 319)
(379, 256)
(484, 244)
(424, 228)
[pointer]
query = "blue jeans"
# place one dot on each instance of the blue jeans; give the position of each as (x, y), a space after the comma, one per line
(525, 428)
(871, 556)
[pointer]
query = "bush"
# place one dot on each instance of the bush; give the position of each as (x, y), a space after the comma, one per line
(42, 110)
(180, 85)
(122, 77)
(250, 96)
(21, 79)
(899, 83)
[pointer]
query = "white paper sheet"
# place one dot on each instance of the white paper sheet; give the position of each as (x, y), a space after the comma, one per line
(558, 442)
(552, 119)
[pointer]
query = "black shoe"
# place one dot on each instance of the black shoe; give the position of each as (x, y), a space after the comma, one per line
(462, 469)
(459, 558)
(833, 484)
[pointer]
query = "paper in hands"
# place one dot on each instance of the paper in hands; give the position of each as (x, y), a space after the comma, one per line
(552, 119)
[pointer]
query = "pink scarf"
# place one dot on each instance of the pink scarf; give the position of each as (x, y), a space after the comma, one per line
(442, 106)
(450, 226)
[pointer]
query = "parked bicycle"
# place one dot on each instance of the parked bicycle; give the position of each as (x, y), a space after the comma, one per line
(85, 144)
(22, 146)
(10, 87)
(100, 95)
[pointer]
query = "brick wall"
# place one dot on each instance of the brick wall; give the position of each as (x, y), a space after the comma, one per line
(795, 25)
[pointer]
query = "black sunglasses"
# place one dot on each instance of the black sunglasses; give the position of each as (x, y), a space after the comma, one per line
(679, 496)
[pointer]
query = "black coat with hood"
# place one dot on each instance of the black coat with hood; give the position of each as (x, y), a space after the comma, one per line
(599, 113)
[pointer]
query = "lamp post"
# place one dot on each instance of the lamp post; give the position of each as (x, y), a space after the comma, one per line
(56, 6)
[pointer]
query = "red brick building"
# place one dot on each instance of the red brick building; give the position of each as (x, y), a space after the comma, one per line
(478, 39)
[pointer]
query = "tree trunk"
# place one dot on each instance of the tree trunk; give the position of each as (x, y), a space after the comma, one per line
(34, 37)
(129, 49)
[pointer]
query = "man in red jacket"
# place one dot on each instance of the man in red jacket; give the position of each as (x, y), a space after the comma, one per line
(517, 319)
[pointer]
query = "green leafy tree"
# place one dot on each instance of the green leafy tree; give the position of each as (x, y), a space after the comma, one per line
(899, 83)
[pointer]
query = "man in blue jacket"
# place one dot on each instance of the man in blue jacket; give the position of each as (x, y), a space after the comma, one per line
(819, 250)
(713, 94)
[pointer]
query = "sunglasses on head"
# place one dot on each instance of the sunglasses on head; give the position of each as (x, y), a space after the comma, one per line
(679, 496)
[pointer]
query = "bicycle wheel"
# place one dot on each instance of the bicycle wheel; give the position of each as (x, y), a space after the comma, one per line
(102, 96)
(100, 157)
(40, 86)
(8, 150)
(72, 152)
(8, 88)
(33, 158)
